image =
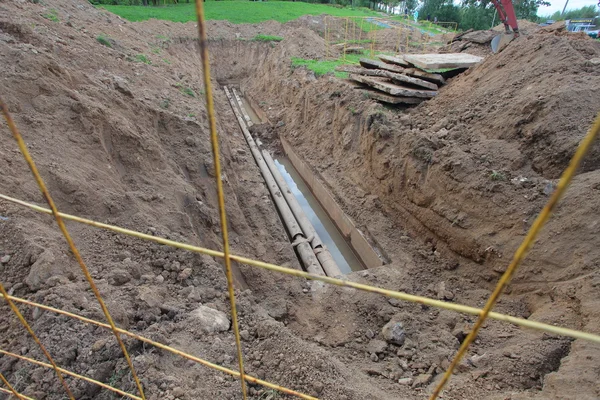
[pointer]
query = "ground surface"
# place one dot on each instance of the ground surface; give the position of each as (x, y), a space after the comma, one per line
(237, 11)
(447, 189)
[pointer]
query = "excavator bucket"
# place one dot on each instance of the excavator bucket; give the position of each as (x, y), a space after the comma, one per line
(501, 41)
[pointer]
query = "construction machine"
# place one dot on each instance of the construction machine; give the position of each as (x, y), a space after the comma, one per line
(507, 15)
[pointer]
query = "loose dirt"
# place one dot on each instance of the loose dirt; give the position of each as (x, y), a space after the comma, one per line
(447, 189)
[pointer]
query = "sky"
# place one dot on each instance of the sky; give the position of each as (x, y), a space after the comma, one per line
(557, 5)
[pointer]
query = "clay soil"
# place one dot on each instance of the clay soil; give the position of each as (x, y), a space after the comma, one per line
(446, 190)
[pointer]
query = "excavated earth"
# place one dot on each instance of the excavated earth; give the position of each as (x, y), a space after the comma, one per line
(447, 190)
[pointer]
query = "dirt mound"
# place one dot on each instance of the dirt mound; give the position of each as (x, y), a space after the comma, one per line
(114, 116)
(525, 27)
(304, 43)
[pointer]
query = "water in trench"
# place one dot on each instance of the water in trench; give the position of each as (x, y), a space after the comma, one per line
(340, 250)
(250, 111)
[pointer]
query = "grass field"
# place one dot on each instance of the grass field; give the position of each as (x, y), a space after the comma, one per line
(237, 12)
(322, 67)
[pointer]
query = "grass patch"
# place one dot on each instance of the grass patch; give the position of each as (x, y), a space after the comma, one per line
(51, 15)
(267, 38)
(237, 12)
(188, 91)
(143, 58)
(497, 176)
(322, 67)
(103, 40)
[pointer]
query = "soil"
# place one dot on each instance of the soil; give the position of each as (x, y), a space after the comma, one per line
(446, 189)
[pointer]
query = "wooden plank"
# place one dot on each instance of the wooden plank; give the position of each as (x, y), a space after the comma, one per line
(441, 61)
(383, 85)
(374, 64)
(391, 75)
(386, 98)
(394, 60)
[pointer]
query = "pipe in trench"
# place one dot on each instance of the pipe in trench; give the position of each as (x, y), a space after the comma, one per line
(305, 251)
(249, 122)
(323, 255)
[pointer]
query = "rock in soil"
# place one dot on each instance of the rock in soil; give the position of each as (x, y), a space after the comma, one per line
(210, 320)
(376, 346)
(393, 332)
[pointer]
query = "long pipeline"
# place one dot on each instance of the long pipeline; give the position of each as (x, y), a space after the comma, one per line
(323, 255)
(305, 251)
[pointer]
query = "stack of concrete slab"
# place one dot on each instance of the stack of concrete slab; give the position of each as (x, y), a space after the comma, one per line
(406, 79)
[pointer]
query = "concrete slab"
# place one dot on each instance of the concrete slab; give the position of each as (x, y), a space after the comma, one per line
(386, 98)
(400, 78)
(481, 37)
(417, 73)
(376, 64)
(399, 60)
(384, 85)
(440, 61)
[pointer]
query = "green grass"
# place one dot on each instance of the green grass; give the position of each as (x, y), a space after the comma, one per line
(52, 15)
(322, 67)
(143, 58)
(267, 38)
(188, 91)
(103, 40)
(237, 12)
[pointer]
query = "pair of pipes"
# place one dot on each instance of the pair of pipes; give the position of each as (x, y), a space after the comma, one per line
(311, 250)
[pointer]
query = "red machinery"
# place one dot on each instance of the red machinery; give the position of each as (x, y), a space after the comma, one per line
(506, 12)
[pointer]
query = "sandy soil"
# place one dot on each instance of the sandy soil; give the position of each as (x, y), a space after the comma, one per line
(124, 142)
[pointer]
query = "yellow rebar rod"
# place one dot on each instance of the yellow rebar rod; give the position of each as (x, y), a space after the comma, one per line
(214, 140)
(23, 148)
(24, 322)
(70, 373)
(163, 347)
(326, 39)
(523, 249)
(345, 39)
(301, 274)
(10, 390)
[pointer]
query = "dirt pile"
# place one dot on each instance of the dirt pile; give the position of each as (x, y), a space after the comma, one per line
(525, 27)
(114, 116)
(467, 173)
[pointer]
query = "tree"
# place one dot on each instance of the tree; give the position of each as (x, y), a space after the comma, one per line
(475, 17)
(583, 12)
(444, 10)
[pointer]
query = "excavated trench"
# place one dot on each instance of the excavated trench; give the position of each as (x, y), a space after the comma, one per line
(444, 246)
(371, 170)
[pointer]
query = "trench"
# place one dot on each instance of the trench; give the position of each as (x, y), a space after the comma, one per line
(332, 238)
(347, 245)
(340, 250)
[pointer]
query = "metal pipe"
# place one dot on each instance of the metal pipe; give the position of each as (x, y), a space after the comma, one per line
(323, 255)
(307, 255)
(242, 109)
